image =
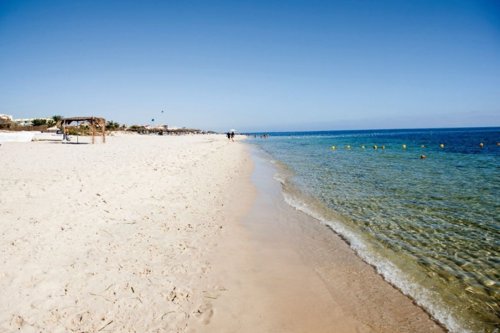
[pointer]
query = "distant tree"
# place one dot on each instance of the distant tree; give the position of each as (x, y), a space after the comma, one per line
(112, 126)
(51, 123)
(56, 118)
(137, 128)
(39, 122)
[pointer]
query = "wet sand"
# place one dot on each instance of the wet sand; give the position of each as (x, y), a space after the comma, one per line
(293, 274)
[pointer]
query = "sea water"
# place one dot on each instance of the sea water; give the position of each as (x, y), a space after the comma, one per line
(421, 206)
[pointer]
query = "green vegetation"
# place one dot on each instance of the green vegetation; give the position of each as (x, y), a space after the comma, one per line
(74, 131)
(137, 128)
(82, 129)
(48, 123)
(39, 122)
(112, 126)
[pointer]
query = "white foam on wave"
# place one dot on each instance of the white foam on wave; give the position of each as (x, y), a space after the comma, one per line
(280, 179)
(384, 267)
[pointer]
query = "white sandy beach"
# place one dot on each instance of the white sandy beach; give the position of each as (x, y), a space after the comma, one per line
(111, 236)
(155, 234)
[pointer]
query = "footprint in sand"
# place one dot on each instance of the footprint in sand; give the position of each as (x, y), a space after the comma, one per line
(205, 313)
(17, 321)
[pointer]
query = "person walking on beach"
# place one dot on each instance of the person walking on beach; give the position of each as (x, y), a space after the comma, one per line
(65, 135)
(232, 136)
(228, 135)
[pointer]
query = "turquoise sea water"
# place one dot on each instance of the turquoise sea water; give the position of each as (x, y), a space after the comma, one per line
(430, 226)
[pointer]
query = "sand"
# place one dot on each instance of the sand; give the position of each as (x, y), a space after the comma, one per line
(297, 275)
(169, 234)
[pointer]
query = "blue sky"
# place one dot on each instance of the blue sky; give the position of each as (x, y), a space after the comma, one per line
(254, 65)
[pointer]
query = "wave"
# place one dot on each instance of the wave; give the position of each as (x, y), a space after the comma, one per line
(388, 270)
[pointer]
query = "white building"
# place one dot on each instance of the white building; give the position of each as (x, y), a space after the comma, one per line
(27, 121)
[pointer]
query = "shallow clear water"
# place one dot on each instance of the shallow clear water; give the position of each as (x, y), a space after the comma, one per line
(431, 226)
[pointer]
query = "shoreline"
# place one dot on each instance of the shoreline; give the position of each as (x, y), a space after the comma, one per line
(288, 247)
(414, 221)
(185, 234)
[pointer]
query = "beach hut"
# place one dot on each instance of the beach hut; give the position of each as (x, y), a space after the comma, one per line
(94, 123)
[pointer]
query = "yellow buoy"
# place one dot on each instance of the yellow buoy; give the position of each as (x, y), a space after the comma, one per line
(383, 147)
(333, 147)
(375, 147)
(422, 146)
(423, 157)
(362, 146)
(348, 147)
(404, 146)
(441, 146)
(481, 145)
